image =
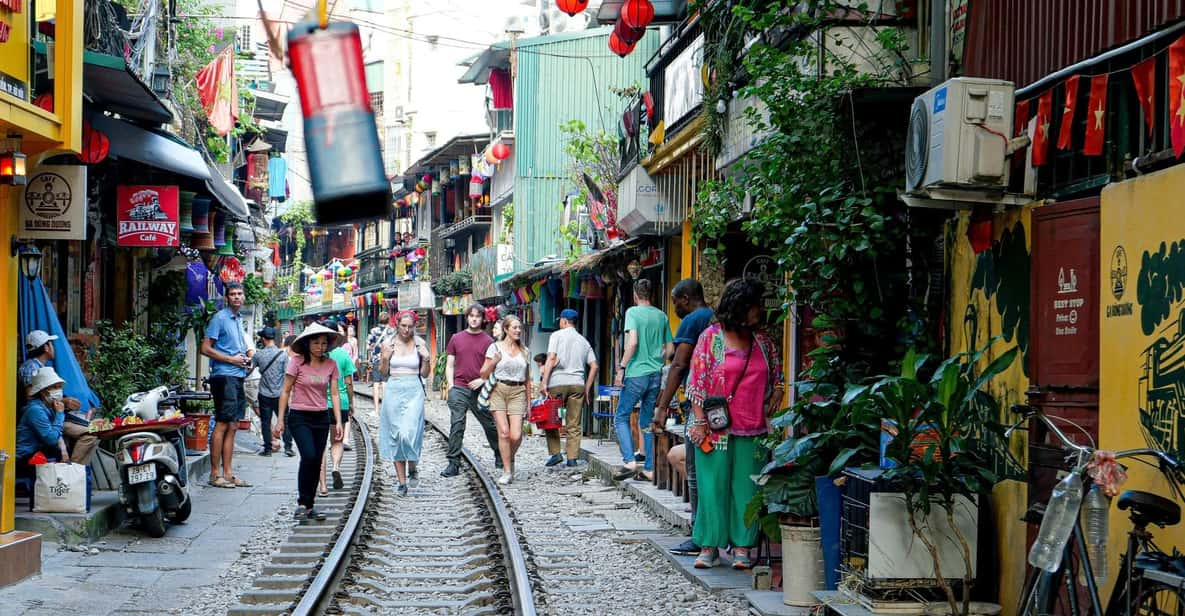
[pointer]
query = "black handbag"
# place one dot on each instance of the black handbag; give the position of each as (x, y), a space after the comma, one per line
(716, 407)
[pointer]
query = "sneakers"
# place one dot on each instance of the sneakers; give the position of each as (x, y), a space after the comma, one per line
(708, 558)
(554, 460)
(288, 452)
(413, 477)
(505, 479)
(450, 471)
(265, 452)
(575, 463)
(402, 489)
(347, 447)
(740, 559)
(639, 456)
(687, 548)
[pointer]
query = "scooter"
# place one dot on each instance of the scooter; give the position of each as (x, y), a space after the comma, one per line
(152, 467)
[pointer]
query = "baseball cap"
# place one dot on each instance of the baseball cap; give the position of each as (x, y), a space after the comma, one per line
(37, 338)
(569, 314)
(268, 333)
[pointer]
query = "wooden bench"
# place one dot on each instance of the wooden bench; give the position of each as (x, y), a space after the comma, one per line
(666, 475)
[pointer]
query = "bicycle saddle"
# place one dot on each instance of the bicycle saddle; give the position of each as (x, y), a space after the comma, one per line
(1148, 508)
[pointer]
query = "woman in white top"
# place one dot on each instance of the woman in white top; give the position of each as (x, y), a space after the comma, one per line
(507, 360)
(401, 419)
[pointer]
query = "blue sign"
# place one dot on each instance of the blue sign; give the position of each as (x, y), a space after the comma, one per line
(940, 101)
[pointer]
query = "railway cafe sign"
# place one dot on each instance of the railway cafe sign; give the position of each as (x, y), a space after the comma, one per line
(53, 203)
(147, 215)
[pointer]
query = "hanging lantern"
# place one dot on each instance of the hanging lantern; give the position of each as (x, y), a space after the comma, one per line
(619, 47)
(95, 145)
(571, 7)
(628, 35)
(202, 241)
(201, 214)
(379, 296)
(476, 187)
(185, 212)
(414, 198)
(219, 229)
(501, 151)
(228, 246)
(489, 157)
(420, 187)
(637, 14)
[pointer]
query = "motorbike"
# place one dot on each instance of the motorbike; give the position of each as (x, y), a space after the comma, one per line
(151, 461)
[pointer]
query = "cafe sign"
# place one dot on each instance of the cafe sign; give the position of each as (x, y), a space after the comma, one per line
(53, 203)
(147, 215)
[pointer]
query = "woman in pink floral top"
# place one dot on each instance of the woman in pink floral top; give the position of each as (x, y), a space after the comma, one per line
(731, 360)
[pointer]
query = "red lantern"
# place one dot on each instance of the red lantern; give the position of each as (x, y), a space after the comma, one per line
(428, 178)
(95, 145)
(618, 46)
(628, 35)
(637, 14)
(571, 7)
(501, 151)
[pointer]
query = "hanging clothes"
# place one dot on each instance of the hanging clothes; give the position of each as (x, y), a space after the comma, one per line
(500, 89)
(277, 175)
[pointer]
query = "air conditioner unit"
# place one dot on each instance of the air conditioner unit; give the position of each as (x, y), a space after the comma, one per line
(958, 137)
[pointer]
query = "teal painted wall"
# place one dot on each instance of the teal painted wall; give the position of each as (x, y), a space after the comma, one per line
(562, 78)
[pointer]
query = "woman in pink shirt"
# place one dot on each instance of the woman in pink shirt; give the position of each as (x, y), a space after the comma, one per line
(736, 362)
(303, 401)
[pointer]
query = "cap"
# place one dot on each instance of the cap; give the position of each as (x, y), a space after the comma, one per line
(268, 333)
(37, 338)
(569, 314)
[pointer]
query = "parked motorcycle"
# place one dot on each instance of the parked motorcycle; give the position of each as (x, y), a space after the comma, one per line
(151, 463)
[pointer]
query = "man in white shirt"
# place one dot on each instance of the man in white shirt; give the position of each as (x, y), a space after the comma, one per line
(569, 374)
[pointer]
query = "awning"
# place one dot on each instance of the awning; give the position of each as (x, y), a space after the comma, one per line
(277, 138)
(226, 193)
(108, 83)
(151, 148)
(269, 106)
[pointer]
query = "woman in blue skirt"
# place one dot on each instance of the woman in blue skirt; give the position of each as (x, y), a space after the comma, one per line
(401, 420)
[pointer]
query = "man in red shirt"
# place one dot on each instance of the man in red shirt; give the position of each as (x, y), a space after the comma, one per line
(466, 353)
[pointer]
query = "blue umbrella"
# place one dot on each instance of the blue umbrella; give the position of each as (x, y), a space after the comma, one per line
(37, 312)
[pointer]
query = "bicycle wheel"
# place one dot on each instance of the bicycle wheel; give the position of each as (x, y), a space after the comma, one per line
(1159, 600)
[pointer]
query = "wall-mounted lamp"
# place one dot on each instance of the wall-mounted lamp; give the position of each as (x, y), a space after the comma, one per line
(30, 258)
(12, 162)
(161, 79)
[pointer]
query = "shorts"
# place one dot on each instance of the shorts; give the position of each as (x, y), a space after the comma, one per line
(251, 388)
(509, 399)
(230, 399)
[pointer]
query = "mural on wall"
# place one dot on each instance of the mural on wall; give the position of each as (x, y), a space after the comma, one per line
(1008, 255)
(1160, 289)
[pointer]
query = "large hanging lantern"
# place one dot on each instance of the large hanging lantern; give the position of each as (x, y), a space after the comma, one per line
(202, 241)
(637, 13)
(619, 46)
(501, 151)
(228, 246)
(628, 35)
(571, 7)
(219, 229)
(201, 214)
(185, 213)
(95, 145)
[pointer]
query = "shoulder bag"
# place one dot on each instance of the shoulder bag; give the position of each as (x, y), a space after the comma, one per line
(716, 407)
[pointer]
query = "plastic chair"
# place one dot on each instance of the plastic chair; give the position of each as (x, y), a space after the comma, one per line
(604, 407)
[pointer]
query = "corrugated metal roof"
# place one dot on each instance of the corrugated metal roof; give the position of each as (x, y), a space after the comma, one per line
(564, 78)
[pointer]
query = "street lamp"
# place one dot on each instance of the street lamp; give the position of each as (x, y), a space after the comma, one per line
(12, 162)
(30, 258)
(161, 79)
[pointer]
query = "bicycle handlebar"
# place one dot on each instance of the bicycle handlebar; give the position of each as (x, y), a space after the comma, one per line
(1029, 412)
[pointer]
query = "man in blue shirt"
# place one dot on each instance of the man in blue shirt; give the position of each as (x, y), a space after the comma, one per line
(225, 344)
(688, 299)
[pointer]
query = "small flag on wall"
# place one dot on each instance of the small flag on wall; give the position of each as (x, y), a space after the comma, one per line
(1096, 116)
(1041, 133)
(1144, 77)
(1176, 92)
(1071, 101)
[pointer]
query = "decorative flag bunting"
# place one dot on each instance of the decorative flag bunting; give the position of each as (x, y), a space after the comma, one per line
(1041, 134)
(1063, 135)
(1176, 92)
(1022, 118)
(1096, 116)
(1144, 76)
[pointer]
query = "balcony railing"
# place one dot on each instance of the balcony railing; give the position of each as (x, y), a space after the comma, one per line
(470, 224)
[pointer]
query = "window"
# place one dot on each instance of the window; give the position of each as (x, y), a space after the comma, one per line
(430, 137)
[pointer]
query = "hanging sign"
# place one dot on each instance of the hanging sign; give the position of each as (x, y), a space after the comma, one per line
(147, 215)
(53, 203)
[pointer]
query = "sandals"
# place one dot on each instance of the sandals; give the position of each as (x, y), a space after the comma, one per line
(322, 493)
(337, 480)
(220, 482)
(239, 483)
(301, 514)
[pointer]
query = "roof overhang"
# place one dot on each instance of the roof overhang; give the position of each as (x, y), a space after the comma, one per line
(463, 145)
(269, 106)
(665, 11)
(478, 73)
(109, 84)
(156, 149)
(226, 194)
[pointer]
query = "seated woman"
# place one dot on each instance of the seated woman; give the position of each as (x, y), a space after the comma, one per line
(40, 426)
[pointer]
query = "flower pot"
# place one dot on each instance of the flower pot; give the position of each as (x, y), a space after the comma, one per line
(197, 433)
(244, 424)
(802, 554)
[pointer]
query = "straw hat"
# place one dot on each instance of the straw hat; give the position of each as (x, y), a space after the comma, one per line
(301, 344)
(43, 379)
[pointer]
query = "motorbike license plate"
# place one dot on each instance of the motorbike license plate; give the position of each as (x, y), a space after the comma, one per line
(142, 473)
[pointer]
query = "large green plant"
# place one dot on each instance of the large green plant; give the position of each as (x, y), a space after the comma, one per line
(127, 362)
(948, 437)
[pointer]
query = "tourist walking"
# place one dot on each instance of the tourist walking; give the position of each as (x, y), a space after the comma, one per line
(380, 335)
(225, 344)
(647, 345)
(466, 355)
(507, 360)
(401, 418)
(735, 370)
(569, 374)
(303, 402)
(271, 362)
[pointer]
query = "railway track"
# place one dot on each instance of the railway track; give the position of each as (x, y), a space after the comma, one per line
(449, 547)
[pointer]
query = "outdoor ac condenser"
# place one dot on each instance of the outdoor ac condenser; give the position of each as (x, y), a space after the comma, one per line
(958, 136)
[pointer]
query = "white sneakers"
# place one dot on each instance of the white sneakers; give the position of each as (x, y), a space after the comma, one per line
(505, 479)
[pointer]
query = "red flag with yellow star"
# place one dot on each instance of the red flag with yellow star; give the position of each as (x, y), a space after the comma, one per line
(218, 91)
(1041, 133)
(1144, 76)
(1071, 101)
(1176, 92)
(1096, 116)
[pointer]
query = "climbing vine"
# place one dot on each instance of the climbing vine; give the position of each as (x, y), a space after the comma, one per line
(297, 216)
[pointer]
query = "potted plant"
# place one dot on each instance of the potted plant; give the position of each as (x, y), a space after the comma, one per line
(947, 444)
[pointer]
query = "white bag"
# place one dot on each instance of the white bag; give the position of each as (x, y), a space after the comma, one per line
(60, 488)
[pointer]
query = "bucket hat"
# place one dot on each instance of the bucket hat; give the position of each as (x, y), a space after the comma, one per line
(44, 378)
(301, 344)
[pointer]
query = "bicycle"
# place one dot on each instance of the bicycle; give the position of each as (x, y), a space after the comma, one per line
(1150, 582)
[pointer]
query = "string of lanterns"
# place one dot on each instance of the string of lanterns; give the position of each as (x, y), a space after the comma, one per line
(635, 16)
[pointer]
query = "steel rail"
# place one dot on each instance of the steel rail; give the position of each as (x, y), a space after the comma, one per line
(319, 592)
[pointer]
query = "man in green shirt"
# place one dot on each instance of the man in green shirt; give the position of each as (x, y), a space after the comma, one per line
(345, 383)
(648, 343)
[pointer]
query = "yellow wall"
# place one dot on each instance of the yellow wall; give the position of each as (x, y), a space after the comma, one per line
(8, 356)
(977, 309)
(1142, 249)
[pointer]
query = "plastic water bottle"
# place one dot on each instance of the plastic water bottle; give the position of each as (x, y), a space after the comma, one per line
(1095, 510)
(1060, 516)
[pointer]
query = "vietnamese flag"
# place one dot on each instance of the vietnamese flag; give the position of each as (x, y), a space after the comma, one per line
(1063, 135)
(1096, 116)
(1041, 133)
(1176, 92)
(1022, 118)
(1144, 76)
(218, 91)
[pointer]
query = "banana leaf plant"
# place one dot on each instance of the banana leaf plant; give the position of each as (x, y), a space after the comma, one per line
(948, 445)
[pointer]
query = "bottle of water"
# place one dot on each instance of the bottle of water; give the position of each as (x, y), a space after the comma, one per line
(1095, 509)
(1060, 516)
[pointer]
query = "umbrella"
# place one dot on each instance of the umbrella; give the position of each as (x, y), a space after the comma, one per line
(37, 312)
